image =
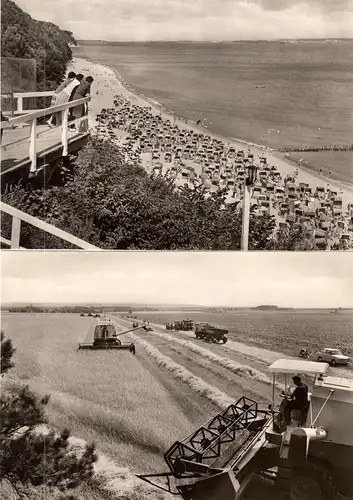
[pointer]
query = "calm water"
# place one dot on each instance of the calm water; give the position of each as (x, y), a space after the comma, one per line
(307, 99)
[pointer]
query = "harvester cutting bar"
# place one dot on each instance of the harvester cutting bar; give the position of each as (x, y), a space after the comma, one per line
(126, 345)
(210, 443)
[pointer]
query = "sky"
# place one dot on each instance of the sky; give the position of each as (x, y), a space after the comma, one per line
(199, 20)
(233, 279)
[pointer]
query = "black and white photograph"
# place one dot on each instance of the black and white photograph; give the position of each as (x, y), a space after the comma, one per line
(177, 125)
(210, 376)
(176, 250)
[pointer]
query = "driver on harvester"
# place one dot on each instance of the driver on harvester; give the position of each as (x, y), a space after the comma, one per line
(298, 399)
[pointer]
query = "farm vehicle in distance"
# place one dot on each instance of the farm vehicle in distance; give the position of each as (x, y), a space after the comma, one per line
(210, 333)
(186, 325)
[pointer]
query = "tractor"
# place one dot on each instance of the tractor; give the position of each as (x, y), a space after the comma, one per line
(310, 458)
(210, 333)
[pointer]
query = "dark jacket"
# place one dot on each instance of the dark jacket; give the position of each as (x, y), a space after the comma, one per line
(81, 90)
(300, 395)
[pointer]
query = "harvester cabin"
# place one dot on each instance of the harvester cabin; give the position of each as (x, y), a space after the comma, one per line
(104, 331)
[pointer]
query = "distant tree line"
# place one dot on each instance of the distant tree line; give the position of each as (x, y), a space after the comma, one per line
(24, 37)
(63, 309)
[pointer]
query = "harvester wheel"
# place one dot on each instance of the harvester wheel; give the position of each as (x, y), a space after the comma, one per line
(313, 481)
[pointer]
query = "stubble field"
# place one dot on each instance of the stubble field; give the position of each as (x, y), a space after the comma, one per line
(135, 407)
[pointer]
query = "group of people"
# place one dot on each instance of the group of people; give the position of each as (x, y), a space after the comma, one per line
(74, 87)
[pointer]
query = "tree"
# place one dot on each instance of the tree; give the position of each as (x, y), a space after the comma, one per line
(31, 457)
(7, 351)
(27, 38)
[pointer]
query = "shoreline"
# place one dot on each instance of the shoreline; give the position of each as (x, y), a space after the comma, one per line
(108, 78)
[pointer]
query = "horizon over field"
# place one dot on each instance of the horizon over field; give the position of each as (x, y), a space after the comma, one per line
(254, 40)
(156, 307)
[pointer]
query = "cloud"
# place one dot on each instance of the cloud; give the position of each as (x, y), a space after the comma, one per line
(198, 19)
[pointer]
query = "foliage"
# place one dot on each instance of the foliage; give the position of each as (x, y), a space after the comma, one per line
(24, 37)
(34, 457)
(294, 239)
(115, 204)
(7, 351)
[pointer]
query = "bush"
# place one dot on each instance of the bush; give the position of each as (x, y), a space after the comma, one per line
(117, 205)
(34, 457)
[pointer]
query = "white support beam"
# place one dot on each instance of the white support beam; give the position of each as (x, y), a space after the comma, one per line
(32, 145)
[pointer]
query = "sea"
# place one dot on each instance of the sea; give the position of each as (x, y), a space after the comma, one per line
(276, 93)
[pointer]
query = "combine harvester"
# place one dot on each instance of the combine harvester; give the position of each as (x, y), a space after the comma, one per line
(310, 459)
(105, 336)
(210, 333)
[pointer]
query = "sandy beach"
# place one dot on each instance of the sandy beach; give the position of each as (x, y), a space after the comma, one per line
(107, 84)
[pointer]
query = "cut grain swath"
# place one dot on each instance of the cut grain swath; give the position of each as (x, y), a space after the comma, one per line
(196, 383)
(236, 368)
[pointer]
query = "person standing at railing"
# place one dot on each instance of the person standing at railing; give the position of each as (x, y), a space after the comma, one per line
(64, 96)
(83, 90)
(70, 77)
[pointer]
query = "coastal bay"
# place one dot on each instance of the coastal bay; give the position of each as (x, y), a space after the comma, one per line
(108, 83)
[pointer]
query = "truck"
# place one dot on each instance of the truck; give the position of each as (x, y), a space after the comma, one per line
(210, 333)
(308, 458)
(186, 325)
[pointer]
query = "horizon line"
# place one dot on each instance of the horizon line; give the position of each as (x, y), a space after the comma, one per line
(135, 305)
(182, 40)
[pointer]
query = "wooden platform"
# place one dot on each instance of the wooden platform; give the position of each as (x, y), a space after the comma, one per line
(28, 147)
(15, 161)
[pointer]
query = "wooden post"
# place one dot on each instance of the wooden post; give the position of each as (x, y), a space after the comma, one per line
(12, 103)
(20, 109)
(32, 145)
(64, 134)
(246, 217)
(15, 232)
(20, 104)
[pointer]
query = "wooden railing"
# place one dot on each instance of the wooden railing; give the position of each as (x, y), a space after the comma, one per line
(19, 96)
(18, 216)
(30, 118)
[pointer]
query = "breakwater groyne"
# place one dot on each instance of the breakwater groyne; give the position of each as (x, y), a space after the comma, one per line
(344, 147)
